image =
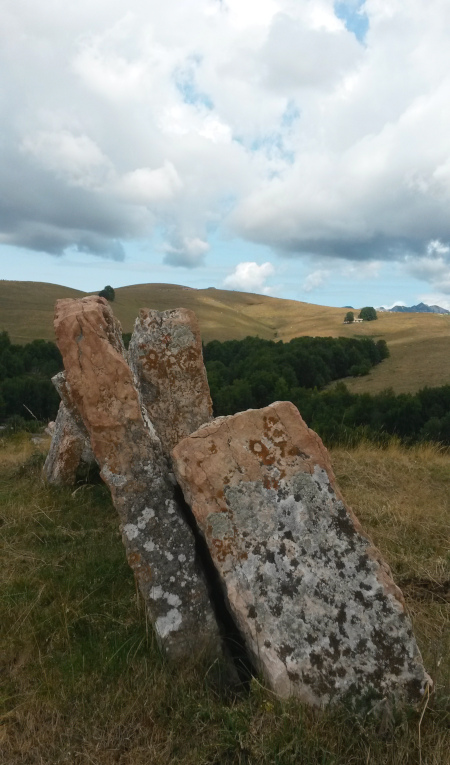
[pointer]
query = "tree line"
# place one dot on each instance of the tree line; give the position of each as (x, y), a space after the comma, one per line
(250, 373)
(25, 379)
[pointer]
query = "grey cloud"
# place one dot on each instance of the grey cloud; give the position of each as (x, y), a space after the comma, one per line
(187, 252)
(39, 212)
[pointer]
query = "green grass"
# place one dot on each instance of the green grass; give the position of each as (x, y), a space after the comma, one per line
(84, 681)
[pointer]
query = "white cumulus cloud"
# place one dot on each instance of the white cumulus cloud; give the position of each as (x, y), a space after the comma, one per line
(315, 279)
(145, 186)
(250, 277)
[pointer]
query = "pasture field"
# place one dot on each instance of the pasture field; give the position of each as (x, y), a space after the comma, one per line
(84, 683)
(419, 343)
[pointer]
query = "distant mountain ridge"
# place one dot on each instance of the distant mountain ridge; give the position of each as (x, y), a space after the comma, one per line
(420, 308)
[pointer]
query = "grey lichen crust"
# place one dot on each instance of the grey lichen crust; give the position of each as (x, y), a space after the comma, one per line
(319, 621)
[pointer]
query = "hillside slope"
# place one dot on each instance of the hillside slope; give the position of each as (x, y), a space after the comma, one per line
(26, 309)
(419, 342)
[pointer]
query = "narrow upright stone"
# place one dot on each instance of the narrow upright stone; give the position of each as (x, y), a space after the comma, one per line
(70, 446)
(165, 353)
(159, 544)
(66, 450)
(315, 602)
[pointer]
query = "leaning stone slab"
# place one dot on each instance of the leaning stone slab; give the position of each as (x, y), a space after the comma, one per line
(315, 602)
(165, 353)
(159, 544)
(70, 446)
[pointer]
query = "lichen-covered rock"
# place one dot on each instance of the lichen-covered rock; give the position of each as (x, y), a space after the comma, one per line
(316, 604)
(159, 544)
(165, 353)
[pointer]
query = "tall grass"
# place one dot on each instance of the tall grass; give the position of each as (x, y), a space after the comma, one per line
(84, 682)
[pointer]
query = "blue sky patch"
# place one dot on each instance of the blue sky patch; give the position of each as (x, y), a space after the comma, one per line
(353, 16)
(187, 87)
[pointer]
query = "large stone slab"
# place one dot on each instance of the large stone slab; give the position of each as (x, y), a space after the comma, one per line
(160, 546)
(317, 605)
(165, 353)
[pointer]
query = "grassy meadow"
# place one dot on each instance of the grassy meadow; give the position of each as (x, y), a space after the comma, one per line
(419, 343)
(83, 681)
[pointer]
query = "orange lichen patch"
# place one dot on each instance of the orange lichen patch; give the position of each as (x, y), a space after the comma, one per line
(141, 569)
(264, 454)
(134, 559)
(221, 549)
(270, 482)
(144, 574)
(149, 360)
(270, 420)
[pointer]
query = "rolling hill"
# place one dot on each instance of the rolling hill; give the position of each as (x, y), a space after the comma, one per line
(419, 342)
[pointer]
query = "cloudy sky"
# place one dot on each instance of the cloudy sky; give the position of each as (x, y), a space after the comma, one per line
(299, 148)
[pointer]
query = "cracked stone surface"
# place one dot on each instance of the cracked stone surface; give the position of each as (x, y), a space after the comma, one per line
(70, 444)
(320, 613)
(159, 544)
(165, 353)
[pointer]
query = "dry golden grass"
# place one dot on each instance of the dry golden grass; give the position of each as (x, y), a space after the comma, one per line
(402, 498)
(84, 683)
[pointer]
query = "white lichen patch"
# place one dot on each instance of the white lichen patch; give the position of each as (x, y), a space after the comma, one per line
(173, 599)
(171, 622)
(171, 507)
(147, 514)
(115, 479)
(131, 531)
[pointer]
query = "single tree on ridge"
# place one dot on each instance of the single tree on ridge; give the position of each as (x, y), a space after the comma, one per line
(108, 293)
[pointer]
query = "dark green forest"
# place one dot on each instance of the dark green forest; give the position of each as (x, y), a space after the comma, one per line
(25, 379)
(252, 373)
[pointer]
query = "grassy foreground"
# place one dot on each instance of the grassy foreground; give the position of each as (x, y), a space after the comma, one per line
(83, 681)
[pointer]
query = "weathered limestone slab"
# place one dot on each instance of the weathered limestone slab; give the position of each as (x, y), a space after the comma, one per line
(70, 444)
(159, 544)
(315, 602)
(165, 353)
